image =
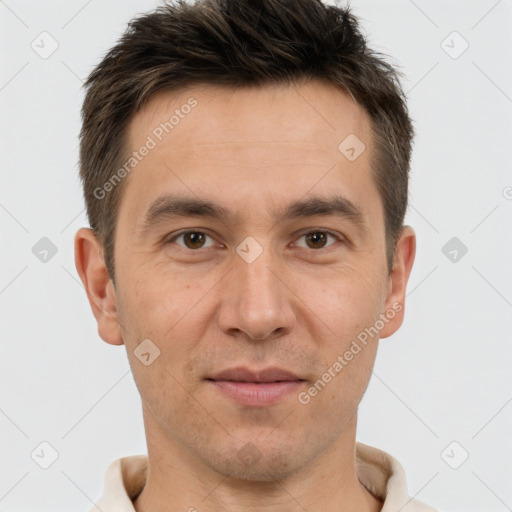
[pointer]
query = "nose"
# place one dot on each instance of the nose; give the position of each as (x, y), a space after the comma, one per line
(256, 301)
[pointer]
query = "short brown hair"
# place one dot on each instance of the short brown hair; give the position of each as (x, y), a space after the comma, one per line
(237, 43)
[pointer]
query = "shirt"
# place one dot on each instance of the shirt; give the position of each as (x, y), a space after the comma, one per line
(381, 474)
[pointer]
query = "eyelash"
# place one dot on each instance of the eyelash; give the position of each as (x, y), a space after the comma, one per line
(338, 237)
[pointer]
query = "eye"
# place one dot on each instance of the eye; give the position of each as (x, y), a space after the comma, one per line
(318, 239)
(191, 239)
(195, 240)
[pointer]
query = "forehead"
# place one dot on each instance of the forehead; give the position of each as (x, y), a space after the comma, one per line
(277, 113)
(275, 141)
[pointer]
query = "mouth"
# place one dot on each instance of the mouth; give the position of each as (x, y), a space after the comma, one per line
(256, 387)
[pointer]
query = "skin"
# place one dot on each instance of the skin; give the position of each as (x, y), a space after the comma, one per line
(297, 306)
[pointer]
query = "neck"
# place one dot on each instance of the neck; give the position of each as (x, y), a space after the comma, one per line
(177, 480)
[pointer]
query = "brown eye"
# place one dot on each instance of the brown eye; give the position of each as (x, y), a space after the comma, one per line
(318, 239)
(191, 239)
(194, 240)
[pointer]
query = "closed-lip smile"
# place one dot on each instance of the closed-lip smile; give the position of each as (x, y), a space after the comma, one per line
(243, 374)
(256, 388)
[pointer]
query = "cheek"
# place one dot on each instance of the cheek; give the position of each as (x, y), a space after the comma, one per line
(169, 320)
(347, 301)
(159, 298)
(336, 394)
(164, 312)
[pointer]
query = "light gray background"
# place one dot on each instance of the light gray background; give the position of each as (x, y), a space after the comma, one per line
(444, 377)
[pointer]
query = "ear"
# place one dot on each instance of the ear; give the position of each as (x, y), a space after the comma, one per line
(100, 290)
(395, 301)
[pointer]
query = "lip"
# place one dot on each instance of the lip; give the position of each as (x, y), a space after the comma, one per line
(257, 393)
(242, 374)
(256, 387)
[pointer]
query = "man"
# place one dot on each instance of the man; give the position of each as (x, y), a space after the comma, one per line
(245, 169)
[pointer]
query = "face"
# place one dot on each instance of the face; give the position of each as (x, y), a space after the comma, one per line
(284, 268)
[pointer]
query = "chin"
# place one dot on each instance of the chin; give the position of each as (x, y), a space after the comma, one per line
(262, 463)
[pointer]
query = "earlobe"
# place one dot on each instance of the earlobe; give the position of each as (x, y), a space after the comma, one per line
(394, 308)
(93, 273)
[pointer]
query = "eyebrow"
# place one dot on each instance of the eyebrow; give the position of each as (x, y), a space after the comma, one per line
(171, 206)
